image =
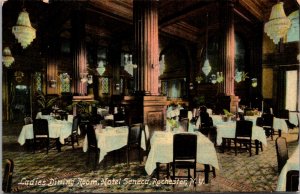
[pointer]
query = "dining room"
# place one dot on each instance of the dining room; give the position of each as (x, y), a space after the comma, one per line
(150, 96)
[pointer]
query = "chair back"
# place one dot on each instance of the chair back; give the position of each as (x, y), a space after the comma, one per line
(40, 127)
(91, 137)
(259, 122)
(268, 120)
(184, 124)
(183, 113)
(75, 125)
(184, 146)
(292, 180)
(134, 134)
(282, 152)
(241, 116)
(28, 120)
(284, 114)
(7, 176)
(243, 129)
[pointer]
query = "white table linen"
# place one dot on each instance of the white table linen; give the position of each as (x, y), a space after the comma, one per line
(291, 164)
(227, 130)
(293, 118)
(162, 150)
(57, 129)
(109, 139)
(277, 123)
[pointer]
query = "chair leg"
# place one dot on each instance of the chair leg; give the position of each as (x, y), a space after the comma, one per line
(72, 140)
(214, 172)
(261, 146)
(128, 149)
(250, 150)
(235, 148)
(96, 160)
(157, 170)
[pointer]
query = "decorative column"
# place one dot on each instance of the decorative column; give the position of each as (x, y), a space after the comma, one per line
(227, 47)
(52, 68)
(78, 47)
(145, 19)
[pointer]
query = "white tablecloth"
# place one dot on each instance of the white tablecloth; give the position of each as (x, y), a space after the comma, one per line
(57, 129)
(277, 123)
(162, 150)
(291, 164)
(227, 130)
(293, 118)
(109, 139)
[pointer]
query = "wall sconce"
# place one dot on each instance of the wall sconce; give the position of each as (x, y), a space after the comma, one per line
(83, 77)
(52, 83)
(19, 76)
(117, 86)
(90, 79)
(191, 86)
(254, 82)
(220, 77)
(199, 79)
(100, 69)
(129, 66)
(213, 78)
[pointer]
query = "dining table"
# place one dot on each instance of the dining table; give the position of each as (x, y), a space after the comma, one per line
(278, 123)
(291, 164)
(227, 130)
(162, 151)
(112, 138)
(58, 129)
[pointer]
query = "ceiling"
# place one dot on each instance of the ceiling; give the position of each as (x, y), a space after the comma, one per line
(185, 19)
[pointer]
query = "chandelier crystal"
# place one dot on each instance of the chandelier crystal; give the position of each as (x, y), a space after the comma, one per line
(7, 57)
(278, 24)
(206, 67)
(23, 31)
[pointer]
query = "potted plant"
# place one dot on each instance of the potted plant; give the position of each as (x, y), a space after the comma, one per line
(45, 103)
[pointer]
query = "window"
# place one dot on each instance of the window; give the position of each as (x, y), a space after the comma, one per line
(38, 81)
(291, 90)
(105, 85)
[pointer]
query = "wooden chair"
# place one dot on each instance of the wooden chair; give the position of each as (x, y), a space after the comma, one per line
(282, 152)
(184, 124)
(184, 154)
(119, 119)
(92, 144)
(40, 132)
(292, 180)
(134, 139)
(74, 134)
(243, 135)
(7, 176)
(268, 124)
(28, 120)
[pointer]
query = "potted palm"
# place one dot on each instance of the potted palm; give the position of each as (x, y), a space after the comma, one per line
(45, 103)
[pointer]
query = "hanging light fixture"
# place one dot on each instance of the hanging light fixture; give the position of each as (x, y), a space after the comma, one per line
(101, 68)
(23, 31)
(278, 23)
(206, 67)
(7, 57)
(254, 82)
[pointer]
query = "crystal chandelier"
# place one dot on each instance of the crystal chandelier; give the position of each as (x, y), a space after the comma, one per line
(206, 67)
(23, 31)
(278, 24)
(101, 68)
(7, 57)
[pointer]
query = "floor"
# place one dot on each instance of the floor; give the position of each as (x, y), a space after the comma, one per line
(67, 171)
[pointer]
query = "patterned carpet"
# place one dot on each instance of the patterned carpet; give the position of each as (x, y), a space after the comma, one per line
(67, 171)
